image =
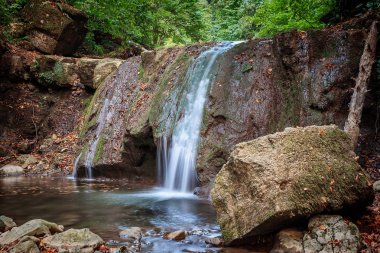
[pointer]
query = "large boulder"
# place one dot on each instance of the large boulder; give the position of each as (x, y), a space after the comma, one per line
(35, 227)
(73, 240)
(55, 27)
(281, 178)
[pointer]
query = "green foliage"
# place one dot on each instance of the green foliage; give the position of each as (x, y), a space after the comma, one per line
(148, 22)
(224, 19)
(9, 8)
(275, 16)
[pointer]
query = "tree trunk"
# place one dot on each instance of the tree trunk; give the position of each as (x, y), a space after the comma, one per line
(357, 101)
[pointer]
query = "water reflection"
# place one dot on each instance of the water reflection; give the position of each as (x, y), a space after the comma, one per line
(105, 207)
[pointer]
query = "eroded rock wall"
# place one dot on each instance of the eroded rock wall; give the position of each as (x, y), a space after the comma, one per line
(261, 86)
(295, 79)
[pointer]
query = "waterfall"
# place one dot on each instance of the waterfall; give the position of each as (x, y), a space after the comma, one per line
(176, 156)
(76, 163)
(109, 109)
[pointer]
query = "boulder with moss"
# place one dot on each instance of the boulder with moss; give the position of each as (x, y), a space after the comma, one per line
(278, 179)
(73, 240)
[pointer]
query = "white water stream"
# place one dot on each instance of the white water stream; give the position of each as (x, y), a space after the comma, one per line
(177, 158)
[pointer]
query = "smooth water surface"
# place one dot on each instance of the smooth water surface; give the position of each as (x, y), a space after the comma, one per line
(107, 207)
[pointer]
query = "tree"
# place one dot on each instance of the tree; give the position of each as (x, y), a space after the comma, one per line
(274, 16)
(148, 22)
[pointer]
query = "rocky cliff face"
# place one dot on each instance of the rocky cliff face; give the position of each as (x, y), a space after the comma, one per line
(296, 79)
(261, 86)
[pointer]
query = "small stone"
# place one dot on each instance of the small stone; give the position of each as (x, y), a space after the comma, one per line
(6, 223)
(216, 241)
(25, 246)
(29, 161)
(54, 136)
(64, 150)
(133, 232)
(288, 240)
(376, 186)
(11, 170)
(176, 235)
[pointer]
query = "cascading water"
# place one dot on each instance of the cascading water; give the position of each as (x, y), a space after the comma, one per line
(109, 107)
(176, 163)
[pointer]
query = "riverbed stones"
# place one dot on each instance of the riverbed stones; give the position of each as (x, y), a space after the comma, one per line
(37, 227)
(73, 240)
(6, 223)
(331, 233)
(215, 241)
(288, 241)
(278, 179)
(176, 235)
(133, 233)
(11, 170)
(27, 244)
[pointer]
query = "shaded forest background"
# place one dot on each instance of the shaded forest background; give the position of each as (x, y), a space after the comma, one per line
(163, 23)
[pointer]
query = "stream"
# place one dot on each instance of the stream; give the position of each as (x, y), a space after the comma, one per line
(107, 207)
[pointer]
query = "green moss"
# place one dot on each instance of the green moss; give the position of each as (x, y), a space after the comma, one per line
(213, 151)
(141, 72)
(246, 67)
(59, 73)
(290, 108)
(46, 78)
(54, 76)
(99, 148)
(183, 60)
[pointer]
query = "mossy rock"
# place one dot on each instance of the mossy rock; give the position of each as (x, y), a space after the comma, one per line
(281, 178)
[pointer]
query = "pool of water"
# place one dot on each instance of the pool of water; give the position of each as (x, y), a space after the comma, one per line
(107, 207)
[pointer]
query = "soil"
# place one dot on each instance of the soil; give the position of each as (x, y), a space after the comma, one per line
(43, 122)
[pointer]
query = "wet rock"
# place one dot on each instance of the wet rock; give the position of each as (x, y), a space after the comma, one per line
(277, 83)
(331, 233)
(133, 232)
(73, 240)
(288, 241)
(11, 170)
(176, 235)
(6, 223)
(203, 191)
(280, 178)
(215, 241)
(376, 186)
(35, 227)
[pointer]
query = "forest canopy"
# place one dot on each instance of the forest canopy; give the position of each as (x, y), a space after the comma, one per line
(157, 23)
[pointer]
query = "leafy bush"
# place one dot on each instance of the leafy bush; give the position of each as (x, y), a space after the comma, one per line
(9, 8)
(148, 22)
(274, 16)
